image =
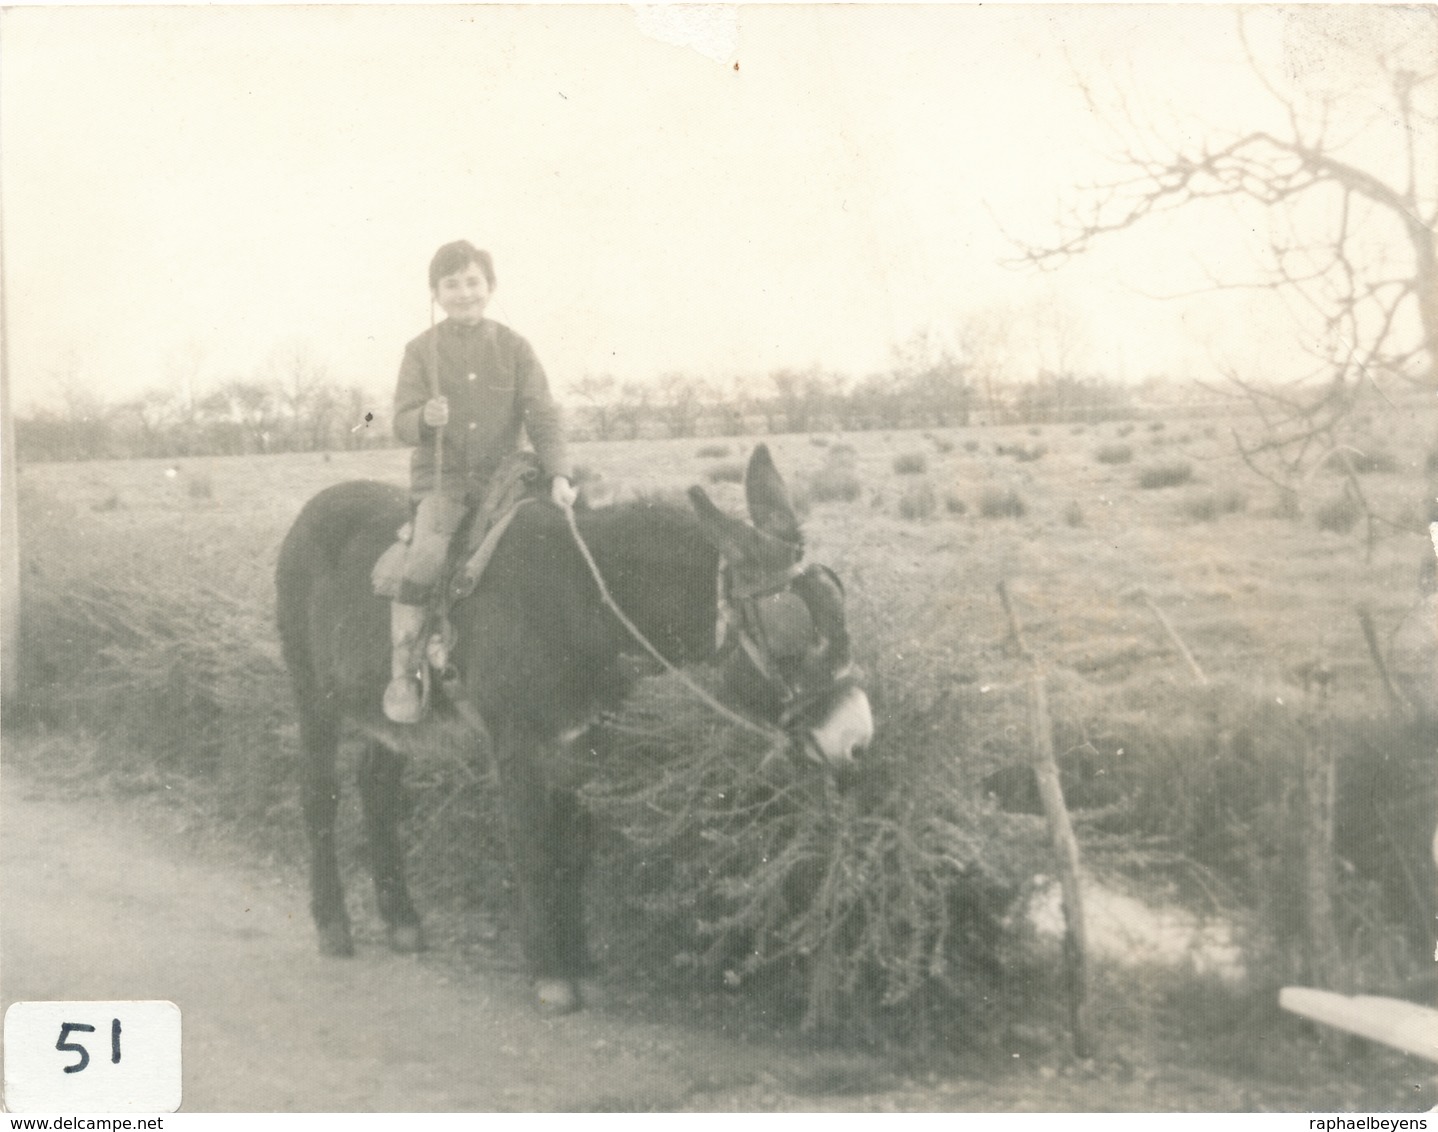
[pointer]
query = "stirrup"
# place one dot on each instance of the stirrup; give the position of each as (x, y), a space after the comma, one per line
(440, 644)
(404, 702)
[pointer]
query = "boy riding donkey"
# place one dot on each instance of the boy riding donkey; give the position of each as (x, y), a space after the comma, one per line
(467, 388)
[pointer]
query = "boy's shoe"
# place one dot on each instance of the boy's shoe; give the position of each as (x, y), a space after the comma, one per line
(403, 699)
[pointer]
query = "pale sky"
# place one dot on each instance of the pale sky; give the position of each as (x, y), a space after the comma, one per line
(193, 189)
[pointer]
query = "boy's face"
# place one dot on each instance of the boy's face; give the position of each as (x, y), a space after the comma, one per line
(464, 294)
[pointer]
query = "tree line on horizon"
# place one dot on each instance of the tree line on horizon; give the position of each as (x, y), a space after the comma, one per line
(311, 413)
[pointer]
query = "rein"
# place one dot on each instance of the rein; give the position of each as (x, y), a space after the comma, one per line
(434, 392)
(633, 630)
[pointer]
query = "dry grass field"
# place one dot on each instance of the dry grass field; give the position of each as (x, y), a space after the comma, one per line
(145, 575)
(1254, 593)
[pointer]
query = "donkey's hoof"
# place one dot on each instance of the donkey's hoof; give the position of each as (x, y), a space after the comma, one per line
(335, 940)
(405, 938)
(556, 996)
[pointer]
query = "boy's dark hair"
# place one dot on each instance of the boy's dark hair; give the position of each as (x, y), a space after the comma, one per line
(457, 256)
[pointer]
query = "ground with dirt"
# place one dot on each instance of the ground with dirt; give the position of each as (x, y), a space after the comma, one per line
(110, 900)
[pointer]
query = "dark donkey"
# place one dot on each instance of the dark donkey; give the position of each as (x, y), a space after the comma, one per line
(539, 657)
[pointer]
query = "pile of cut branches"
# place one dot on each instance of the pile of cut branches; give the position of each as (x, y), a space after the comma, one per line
(872, 909)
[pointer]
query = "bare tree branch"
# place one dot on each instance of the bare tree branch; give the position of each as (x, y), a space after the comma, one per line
(1345, 227)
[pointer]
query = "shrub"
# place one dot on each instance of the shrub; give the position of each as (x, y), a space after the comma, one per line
(954, 505)
(1156, 426)
(1114, 454)
(726, 473)
(141, 650)
(918, 501)
(911, 464)
(1207, 506)
(1287, 505)
(1001, 503)
(198, 485)
(1073, 514)
(1339, 514)
(819, 441)
(111, 502)
(713, 452)
(1171, 474)
(833, 483)
(1023, 454)
(942, 446)
(1124, 429)
(973, 446)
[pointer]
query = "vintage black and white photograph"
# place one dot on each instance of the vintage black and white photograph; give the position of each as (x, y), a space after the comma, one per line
(720, 558)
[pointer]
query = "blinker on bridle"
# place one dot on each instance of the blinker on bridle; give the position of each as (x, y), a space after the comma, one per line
(742, 620)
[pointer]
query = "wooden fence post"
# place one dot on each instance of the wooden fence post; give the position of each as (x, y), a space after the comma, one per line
(1183, 650)
(1325, 955)
(1061, 833)
(1375, 651)
(1066, 854)
(1318, 792)
(1016, 635)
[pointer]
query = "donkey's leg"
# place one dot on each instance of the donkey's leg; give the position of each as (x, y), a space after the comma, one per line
(570, 836)
(381, 784)
(320, 794)
(528, 816)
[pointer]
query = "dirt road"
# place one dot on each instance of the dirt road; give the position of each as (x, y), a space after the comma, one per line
(107, 900)
(98, 907)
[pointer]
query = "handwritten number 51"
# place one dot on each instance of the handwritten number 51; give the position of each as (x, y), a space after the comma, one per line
(75, 1047)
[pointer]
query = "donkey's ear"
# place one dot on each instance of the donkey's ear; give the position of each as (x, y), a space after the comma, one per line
(768, 498)
(728, 536)
(738, 541)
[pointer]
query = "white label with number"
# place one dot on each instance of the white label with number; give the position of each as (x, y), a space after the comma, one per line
(92, 1057)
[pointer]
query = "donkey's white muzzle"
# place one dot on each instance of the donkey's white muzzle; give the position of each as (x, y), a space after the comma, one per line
(845, 731)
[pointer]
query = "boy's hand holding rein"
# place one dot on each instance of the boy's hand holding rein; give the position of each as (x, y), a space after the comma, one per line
(436, 412)
(563, 492)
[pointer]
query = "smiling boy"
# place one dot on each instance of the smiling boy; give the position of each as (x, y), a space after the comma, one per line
(478, 386)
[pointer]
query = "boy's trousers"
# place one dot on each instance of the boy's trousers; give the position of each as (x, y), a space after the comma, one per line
(436, 518)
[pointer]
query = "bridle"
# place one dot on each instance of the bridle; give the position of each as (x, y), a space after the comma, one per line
(740, 616)
(742, 624)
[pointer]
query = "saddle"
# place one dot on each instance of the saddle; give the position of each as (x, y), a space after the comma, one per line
(517, 481)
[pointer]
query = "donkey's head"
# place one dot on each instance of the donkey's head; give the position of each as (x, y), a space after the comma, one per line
(782, 625)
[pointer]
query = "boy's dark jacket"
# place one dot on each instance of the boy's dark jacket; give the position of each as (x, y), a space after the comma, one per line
(497, 391)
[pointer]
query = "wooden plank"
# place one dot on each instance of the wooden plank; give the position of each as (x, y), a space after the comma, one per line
(1393, 1021)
